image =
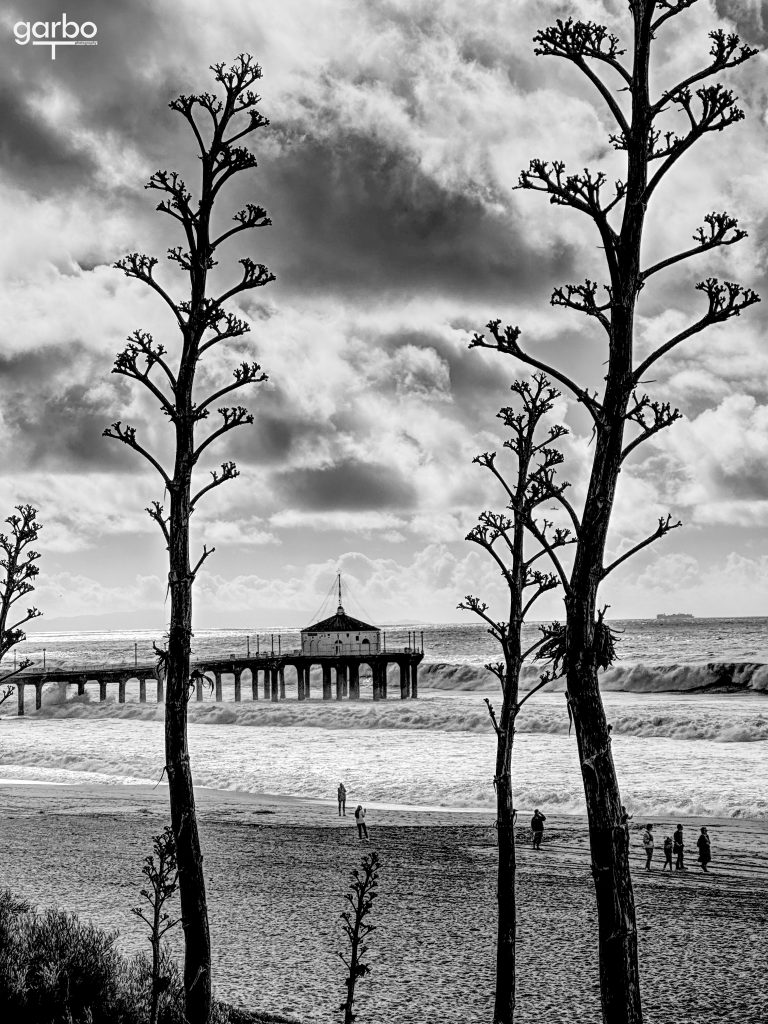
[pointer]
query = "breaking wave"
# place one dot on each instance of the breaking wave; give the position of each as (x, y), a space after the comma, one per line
(718, 719)
(711, 677)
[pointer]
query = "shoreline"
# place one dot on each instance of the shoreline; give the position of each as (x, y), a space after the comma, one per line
(315, 811)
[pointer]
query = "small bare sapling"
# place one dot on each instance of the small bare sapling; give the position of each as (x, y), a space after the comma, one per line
(362, 893)
(162, 883)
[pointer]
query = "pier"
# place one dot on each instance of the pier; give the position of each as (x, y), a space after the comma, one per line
(340, 676)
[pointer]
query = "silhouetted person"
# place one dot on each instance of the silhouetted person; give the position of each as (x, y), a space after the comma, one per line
(667, 854)
(342, 795)
(625, 818)
(678, 846)
(362, 828)
(537, 828)
(647, 838)
(705, 851)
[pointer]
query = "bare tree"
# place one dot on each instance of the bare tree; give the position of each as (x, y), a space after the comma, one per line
(162, 882)
(18, 563)
(356, 927)
(531, 484)
(652, 147)
(218, 126)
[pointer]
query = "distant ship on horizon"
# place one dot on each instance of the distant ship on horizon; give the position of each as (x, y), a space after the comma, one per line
(675, 615)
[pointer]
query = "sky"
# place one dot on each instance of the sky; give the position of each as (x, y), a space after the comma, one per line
(398, 130)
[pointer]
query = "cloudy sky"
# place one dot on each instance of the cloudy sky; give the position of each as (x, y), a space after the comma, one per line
(398, 128)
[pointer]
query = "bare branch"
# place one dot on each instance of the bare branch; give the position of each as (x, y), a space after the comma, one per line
(141, 346)
(473, 604)
(140, 266)
(155, 511)
(671, 8)
(224, 325)
(578, 40)
(492, 714)
(255, 275)
(546, 677)
(651, 417)
(232, 416)
(718, 111)
(128, 436)
(664, 527)
(245, 373)
(725, 300)
(207, 552)
(719, 229)
(581, 297)
(582, 192)
(484, 538)
(726, 51)
(229, 471)
(250, 217)
(541, 536)
(506, 342)
(544, 582)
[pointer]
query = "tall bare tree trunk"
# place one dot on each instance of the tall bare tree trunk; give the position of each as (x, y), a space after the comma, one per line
(194, 912)
(506, 896)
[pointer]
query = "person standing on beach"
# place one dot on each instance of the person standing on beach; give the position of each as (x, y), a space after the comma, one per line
(342, 795)
(678, 848)
(647, 838)
(705, 850)
(667, 853)
(362, 828)
(537, 828)
(625, 818)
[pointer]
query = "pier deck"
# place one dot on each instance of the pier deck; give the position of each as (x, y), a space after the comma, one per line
(340, 676)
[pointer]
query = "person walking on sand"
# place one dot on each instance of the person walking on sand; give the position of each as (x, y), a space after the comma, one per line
(705, 849)
(342, 795)
(647, 839)
(362, 828)
(537, 828)
(667, 854)
(678, 846)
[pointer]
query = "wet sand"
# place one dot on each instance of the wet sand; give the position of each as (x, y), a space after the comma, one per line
(277, 870)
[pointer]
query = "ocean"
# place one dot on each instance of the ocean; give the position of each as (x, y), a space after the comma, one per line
(688, 702)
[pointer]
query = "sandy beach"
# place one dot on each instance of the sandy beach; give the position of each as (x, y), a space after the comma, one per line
(277, 870)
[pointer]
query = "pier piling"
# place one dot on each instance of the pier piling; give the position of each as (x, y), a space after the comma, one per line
(354, 681)
(326, 681)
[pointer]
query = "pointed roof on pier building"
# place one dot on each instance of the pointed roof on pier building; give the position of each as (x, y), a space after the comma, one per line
(341, 622)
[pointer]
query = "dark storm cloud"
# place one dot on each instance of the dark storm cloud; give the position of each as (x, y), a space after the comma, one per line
(348, 485)
(750, 16)
(113, 91)
(357, 213)
(53, 419)
(278, 433)
(34, 153)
